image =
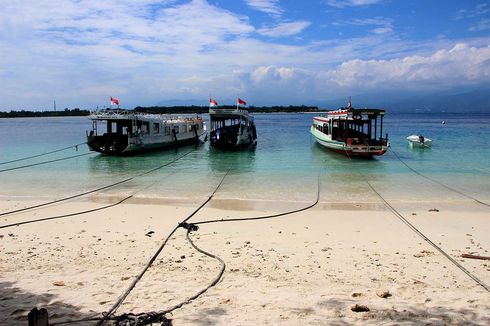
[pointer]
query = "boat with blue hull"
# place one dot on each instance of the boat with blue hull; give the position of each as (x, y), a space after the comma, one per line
(231, 128)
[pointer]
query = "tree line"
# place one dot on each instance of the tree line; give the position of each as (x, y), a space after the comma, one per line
(161, 110)
(36, 114)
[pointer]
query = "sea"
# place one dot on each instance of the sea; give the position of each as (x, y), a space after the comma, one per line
(286, 166)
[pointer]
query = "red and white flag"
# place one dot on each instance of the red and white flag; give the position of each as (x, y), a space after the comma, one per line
(349, 104)
(213, 102)
(239, 101)
(114, 100)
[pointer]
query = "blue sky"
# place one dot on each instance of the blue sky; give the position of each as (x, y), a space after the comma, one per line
(269, 52)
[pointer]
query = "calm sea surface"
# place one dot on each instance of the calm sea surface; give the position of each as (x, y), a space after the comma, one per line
(283, 167)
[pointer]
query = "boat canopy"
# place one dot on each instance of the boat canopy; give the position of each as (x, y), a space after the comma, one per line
(354, 112)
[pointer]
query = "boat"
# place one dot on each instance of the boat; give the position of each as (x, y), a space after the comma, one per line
(231, 128)
(353, 132)
(124, 132)
(419, 141)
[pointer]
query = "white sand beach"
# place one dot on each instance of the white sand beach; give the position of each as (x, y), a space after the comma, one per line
(305, 268)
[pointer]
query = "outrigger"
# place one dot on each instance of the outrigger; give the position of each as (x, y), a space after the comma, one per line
(353, 132)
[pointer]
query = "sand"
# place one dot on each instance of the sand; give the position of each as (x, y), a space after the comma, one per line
(307, 268)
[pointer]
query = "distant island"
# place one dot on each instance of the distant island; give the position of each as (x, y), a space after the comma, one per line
(160, 110)
(205, 109)
(36, 114)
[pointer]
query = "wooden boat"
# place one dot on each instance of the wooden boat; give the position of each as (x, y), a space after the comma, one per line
(231, 128)
(419, 141)
(122, 132)
(353, 132)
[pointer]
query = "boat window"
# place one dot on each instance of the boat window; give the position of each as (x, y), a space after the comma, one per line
(325, 128)
(167, 131)
(184, 128)
(156, 128)
(145, 127)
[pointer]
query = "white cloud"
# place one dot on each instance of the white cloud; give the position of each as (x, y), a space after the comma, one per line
(385, 25)
(143, 52)
(482, 25)
(284, 29)
(351, 3)
(269, 7)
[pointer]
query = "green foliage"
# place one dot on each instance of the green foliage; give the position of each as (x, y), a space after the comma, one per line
(34, 114)
(205, 109)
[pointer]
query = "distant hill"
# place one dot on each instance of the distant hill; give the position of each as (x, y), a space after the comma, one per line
(470, 100)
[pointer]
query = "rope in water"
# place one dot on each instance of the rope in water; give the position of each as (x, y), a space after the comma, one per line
(45, 162)
(435, 181)
(47, 153)
(97, 189)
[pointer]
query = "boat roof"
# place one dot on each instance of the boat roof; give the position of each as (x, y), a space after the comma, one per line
(133, 115)
(352, 111)
(228, 113)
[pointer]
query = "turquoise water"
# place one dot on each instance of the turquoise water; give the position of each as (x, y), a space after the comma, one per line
(283, 167)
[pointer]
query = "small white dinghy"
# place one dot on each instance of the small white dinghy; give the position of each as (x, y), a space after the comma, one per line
(419, 141)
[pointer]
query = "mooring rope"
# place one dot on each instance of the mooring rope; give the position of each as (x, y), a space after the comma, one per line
(47, 153)
(45, 162)
(67, 215)
(84, 211)
(147, 318)
(139, 319)
(154, 257)
(423, 236)
(435, 181)
(97, 189)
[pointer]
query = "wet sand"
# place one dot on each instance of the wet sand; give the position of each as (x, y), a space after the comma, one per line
(306, 268)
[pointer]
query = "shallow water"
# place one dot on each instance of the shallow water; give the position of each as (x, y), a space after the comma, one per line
(283, 167)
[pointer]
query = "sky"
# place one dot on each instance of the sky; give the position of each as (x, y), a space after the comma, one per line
(267, 52)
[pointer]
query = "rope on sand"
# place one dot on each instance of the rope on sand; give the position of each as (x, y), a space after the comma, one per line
(423, 236)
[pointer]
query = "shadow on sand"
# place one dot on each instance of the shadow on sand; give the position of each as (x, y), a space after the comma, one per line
(15, 304)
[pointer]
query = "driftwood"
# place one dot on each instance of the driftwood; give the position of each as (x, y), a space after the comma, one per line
(38, 317)
(475, 256)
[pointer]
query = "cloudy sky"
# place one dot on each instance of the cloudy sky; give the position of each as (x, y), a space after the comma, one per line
(143, 52)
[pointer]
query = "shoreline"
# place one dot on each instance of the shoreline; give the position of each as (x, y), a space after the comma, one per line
(303, 268)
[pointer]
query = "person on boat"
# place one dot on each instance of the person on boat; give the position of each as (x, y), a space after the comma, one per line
(421, 139)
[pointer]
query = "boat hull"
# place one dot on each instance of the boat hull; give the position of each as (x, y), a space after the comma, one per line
(358, 150)
(141, 147)
(415, 141)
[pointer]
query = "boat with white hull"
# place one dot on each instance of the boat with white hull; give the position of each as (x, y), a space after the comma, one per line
(121, 132)
(353, 132)
(419, 141)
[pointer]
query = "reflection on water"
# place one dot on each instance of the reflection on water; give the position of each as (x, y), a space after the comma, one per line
(233, 161)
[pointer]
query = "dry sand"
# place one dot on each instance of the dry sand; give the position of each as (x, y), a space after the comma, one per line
(307, 268)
